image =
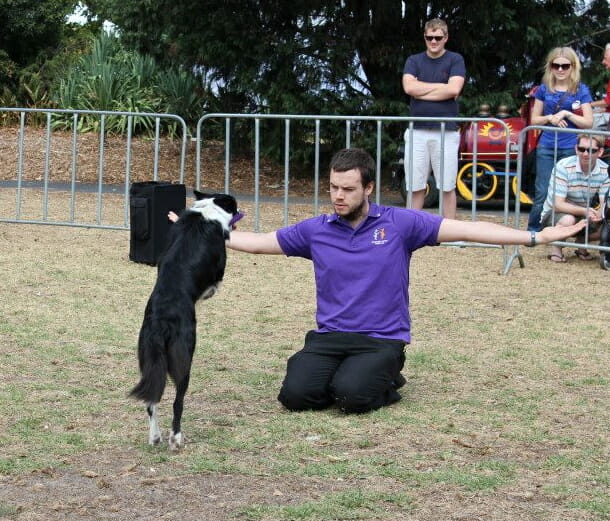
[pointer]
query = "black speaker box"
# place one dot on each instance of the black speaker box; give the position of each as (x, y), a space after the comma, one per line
(149, 203)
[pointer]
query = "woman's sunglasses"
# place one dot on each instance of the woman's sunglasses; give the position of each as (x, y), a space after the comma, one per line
(561, 66)
(435, 38)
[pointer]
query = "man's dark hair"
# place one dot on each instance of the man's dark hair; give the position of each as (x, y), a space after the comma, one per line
(354, 159)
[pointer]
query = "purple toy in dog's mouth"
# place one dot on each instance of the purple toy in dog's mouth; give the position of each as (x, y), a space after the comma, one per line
(238, 216)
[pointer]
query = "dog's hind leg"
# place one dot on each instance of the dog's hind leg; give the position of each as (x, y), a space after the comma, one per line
(154, 433)
(175, 436)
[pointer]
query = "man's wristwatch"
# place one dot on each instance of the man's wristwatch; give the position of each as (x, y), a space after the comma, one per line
(532, 238)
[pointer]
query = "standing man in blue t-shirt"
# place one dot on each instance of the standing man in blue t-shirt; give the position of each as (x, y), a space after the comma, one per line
(433, 79)
(361, 254)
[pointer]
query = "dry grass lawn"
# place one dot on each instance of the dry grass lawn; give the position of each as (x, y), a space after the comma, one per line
(505, 414)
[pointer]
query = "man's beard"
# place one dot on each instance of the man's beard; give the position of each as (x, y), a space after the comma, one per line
(355, 214)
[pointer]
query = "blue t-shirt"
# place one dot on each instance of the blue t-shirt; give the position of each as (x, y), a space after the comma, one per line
(435, 70)
(362, 275)
(553, 102)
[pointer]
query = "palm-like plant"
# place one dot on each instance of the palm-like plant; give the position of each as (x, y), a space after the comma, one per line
(111, 78)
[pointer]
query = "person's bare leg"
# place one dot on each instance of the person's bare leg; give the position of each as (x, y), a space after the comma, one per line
(556, 254)
(449, 205)
(418, 199)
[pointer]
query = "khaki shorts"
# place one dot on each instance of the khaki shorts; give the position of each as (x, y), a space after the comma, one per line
(551, 219)
(427, 157)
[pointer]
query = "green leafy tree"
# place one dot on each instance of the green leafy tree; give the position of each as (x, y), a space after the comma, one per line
(594, 34)
(30, 33)
(345, 55)
(27, 28)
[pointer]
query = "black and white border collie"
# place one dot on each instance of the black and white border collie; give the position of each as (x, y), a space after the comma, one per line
(192, 267)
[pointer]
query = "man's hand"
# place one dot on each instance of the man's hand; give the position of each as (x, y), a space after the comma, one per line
(559, 233)
(594, 215)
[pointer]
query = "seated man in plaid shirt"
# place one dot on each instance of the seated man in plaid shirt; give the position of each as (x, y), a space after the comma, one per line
(576, 184)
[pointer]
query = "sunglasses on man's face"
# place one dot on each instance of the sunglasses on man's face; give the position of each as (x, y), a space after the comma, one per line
(435, 38)
(561, 66)
(582, 150)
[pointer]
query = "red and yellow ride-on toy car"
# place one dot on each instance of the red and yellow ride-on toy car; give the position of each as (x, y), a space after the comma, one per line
(483, 154)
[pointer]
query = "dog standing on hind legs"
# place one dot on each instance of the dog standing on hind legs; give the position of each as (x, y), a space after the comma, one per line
(192, 267)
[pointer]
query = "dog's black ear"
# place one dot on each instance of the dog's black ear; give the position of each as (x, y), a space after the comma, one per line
(202, 195)
(226, 202)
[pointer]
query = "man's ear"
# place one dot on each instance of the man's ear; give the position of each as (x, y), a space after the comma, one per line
(368, 189)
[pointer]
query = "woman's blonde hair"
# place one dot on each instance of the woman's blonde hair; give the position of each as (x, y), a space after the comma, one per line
(573, 80)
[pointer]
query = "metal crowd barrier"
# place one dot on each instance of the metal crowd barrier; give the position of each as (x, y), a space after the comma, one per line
(349, 121)
(513, 252)
(46, 184)
(352, 127)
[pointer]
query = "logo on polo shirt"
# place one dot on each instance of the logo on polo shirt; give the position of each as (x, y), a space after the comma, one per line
(379, 236)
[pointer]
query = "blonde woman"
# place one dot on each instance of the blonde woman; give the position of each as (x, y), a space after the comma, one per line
(561, 101)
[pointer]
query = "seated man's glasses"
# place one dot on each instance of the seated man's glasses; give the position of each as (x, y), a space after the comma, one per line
(582, 150)
(435, 38)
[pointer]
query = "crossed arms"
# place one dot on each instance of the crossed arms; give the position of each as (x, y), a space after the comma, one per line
(432, 91)
(561, 118)
(562, 205)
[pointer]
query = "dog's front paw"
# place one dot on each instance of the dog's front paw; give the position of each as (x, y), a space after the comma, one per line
(175, 441)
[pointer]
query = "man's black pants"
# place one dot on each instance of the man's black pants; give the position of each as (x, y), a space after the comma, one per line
(357, 372)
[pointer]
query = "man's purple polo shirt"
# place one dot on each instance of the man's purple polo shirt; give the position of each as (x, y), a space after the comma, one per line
(362, 275)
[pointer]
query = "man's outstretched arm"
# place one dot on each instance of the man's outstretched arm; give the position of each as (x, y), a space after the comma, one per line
(491, 233)
(252, 242)
(249, 242)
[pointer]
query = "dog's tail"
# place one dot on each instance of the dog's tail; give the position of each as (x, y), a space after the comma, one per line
(153, 369)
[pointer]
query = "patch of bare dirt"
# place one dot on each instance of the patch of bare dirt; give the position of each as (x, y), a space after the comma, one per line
(54, 153)
(116, 486)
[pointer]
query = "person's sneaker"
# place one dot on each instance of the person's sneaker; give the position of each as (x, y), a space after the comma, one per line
(399, 381)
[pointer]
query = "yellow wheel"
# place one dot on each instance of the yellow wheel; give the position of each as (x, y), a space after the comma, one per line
(523, 197)
(487, 183)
